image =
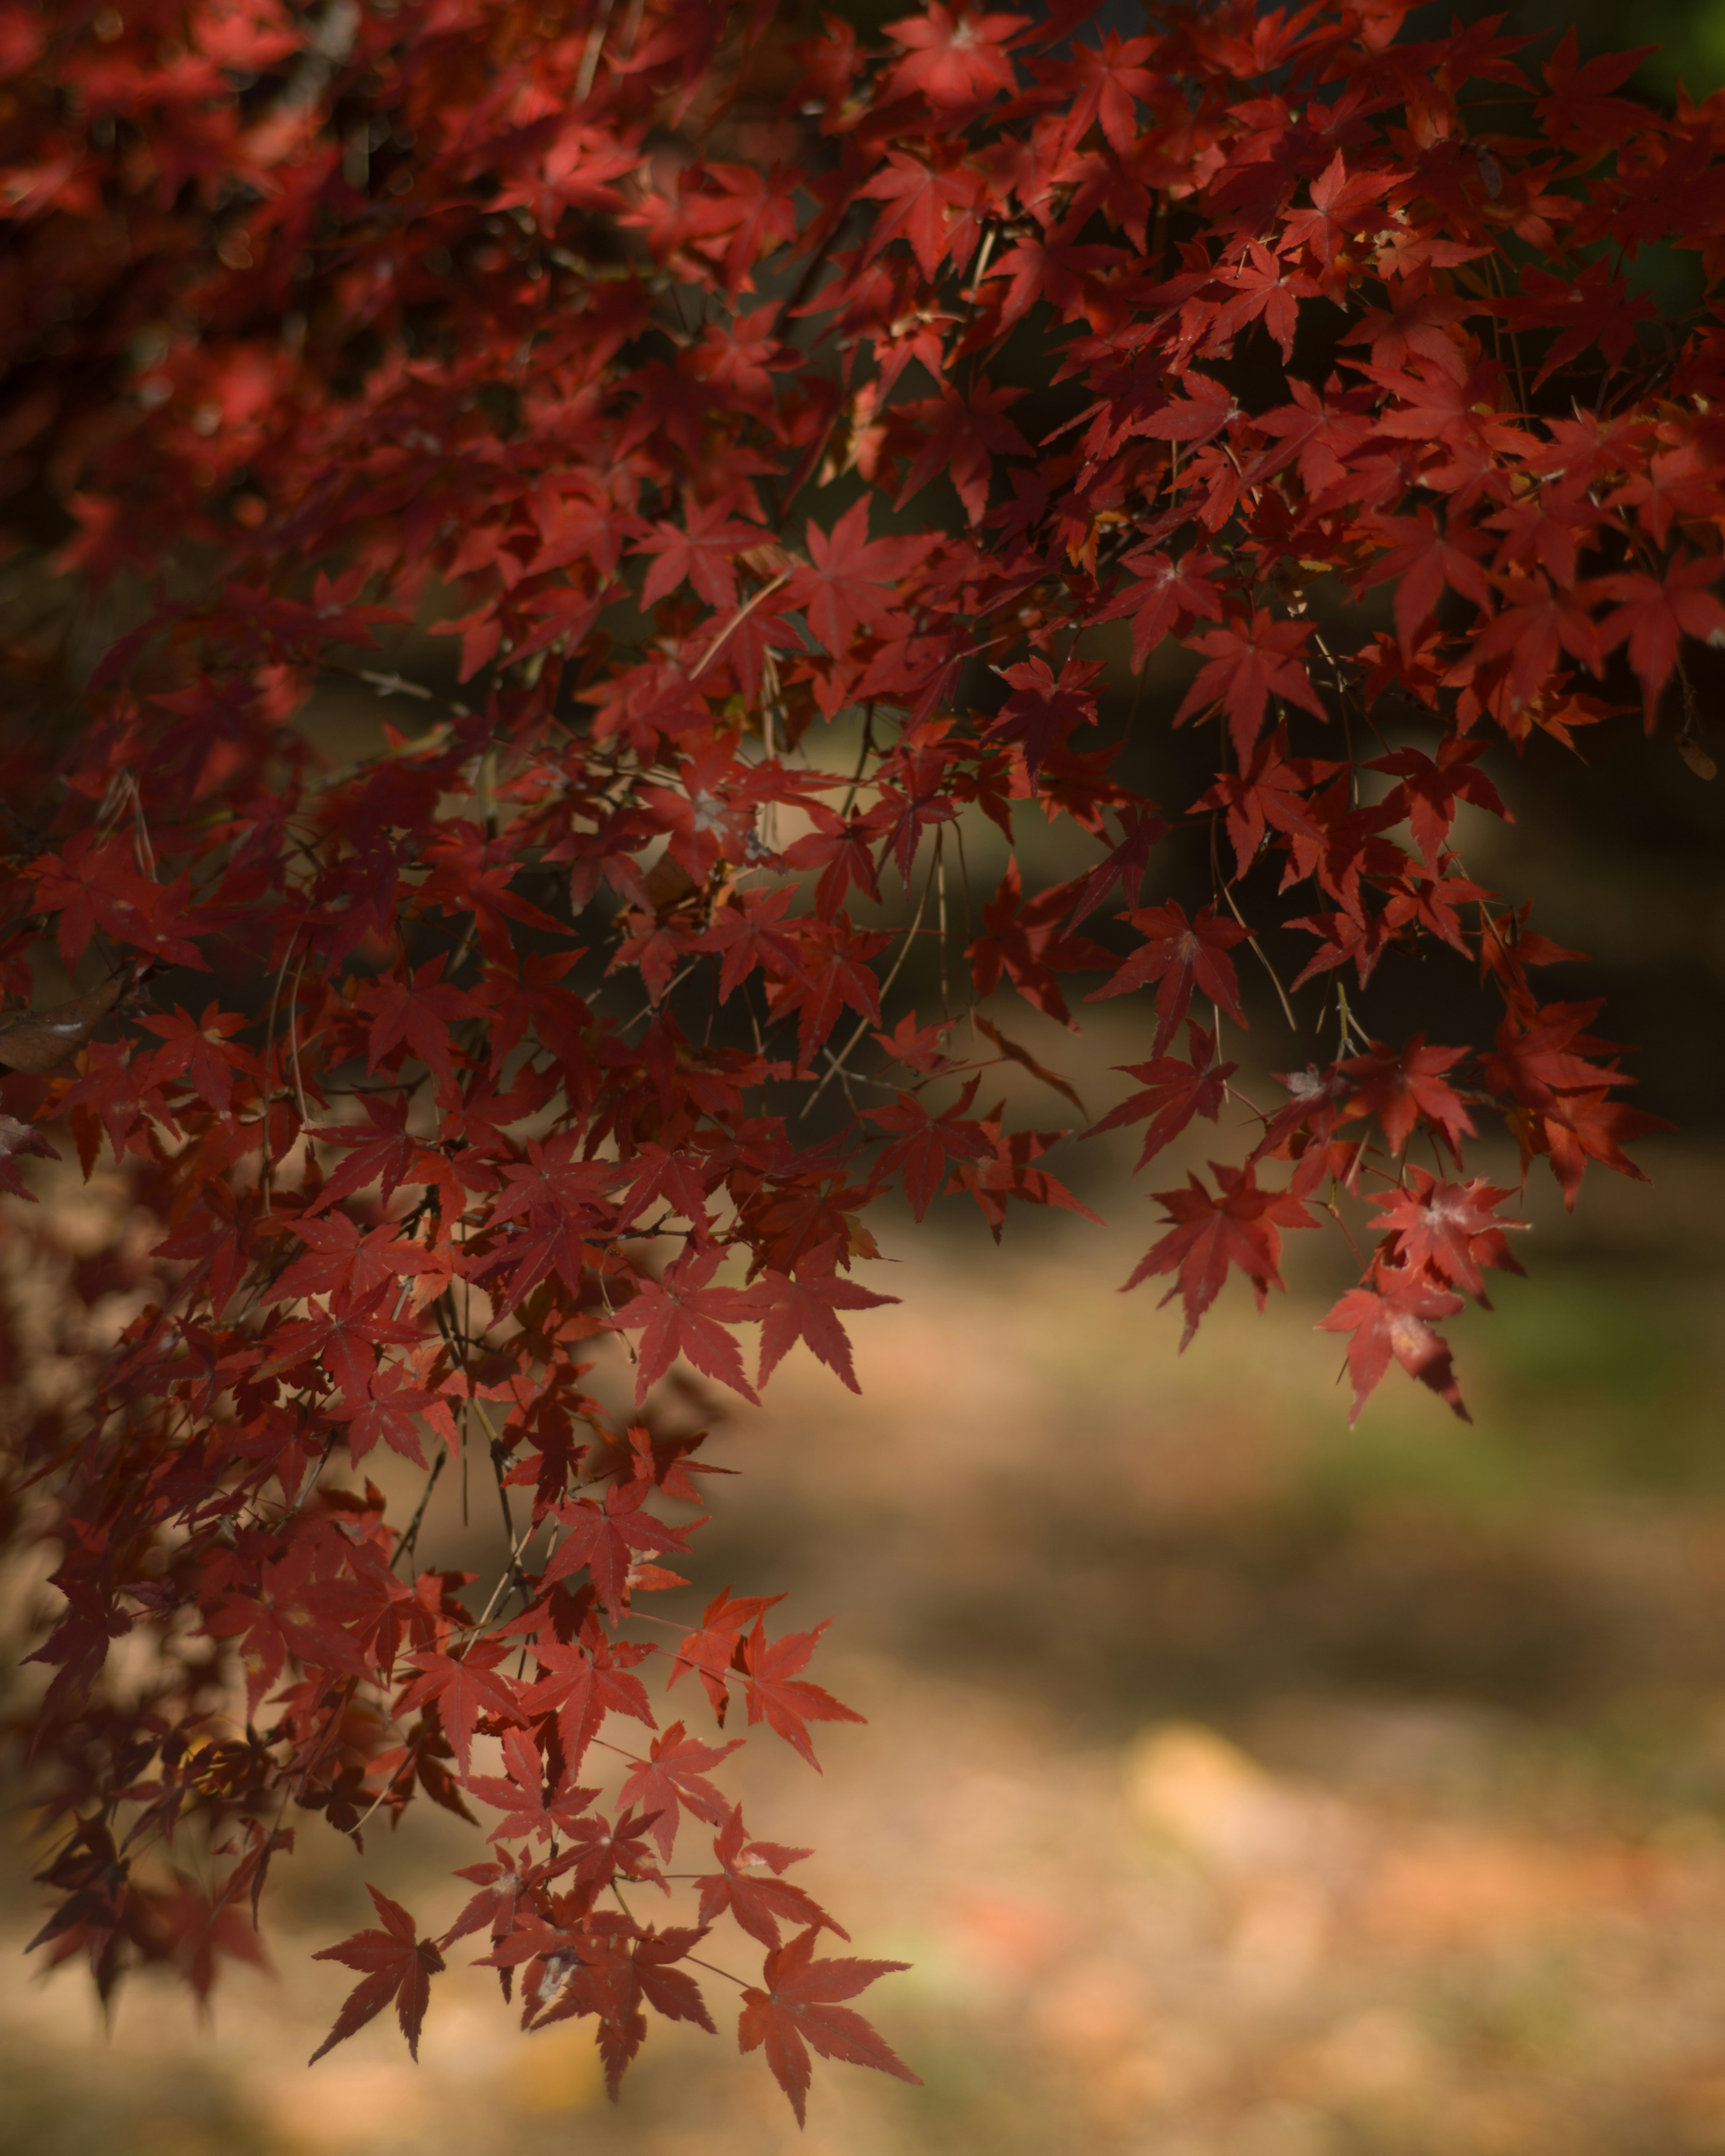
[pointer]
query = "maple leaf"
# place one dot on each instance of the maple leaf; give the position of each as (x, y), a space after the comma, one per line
(398, 1967)
(1240, 1226)
(1250, 662)
(680, 1314)
(1175, 1091)
(1400, 1086)
(837, 974)
(1266, 288)
(1180, 955)
(1164, 594)
(417, 1015)
(807, 1308)
(200, 1050)
(386, 1413)
(1341, 205)
(600, 1538)
(846, 584)
(712, 1651)
(1027, 942)
(1195, 419)
(797, 2006)
(624, 1965)
(463, 1687)
(381, 1150)
(1532, 631)
(199, 1927)
(532, 1804)
(1126, 864)
(1044, 706)
(778, 1696)
(924, 1144)
(93, 884)
(581, 1684)
(964, 434)
(953, 59)
(921, 195)
(703, 554)
(758, 1904)
(673, 1779)
(1579, 111)
(1542, 1060)
(340, 1260)
(1449, 1230)
(16, 1138)
(1104, 81)
(843, 848)
(346, 1337)
(1062, 273)
(1429, 789)
(1392, 1321)
(1428, 556)
(1654, 615)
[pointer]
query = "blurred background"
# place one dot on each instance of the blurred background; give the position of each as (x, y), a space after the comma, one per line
(1236, 1785)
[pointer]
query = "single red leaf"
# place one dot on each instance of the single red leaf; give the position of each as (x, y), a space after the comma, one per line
(397, 1967)
(796, 2006)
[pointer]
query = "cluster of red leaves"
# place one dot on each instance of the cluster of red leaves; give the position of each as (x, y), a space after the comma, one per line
(614, 343)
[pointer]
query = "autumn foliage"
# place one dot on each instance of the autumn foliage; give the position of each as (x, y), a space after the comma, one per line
(789, 430)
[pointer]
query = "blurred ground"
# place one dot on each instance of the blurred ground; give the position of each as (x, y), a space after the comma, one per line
(1237, 1785)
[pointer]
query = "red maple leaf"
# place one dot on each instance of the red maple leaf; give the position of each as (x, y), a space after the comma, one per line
(1028, 942)
(341, 1260)
(963, 436)
(1240, 1226)
(1400, 1086)
(1428, 790)
(1449, 1230)
(581, 1684)
(1269, 794)
(600, 1538)
(204, 1053)
(703, 553)
(1654, 614)
(397, 1967)
(622, 1967)
(846, 586)
(1180, 955)
(417, 1015)
(1391, 1322)
(1103, 82)
(381, 1150)
(778, 1696)
(807, 1308)
(921, 195)
(1175, 1091)
(531, 1802)
(1165, 595)
(673, 1780)
(1250, 662)
(1044, 706)
(924, 1144)
(680, 1314)
(953, 59)
(757, 1902)
(464, 1687)
(1428, 555)
(798, 2005)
